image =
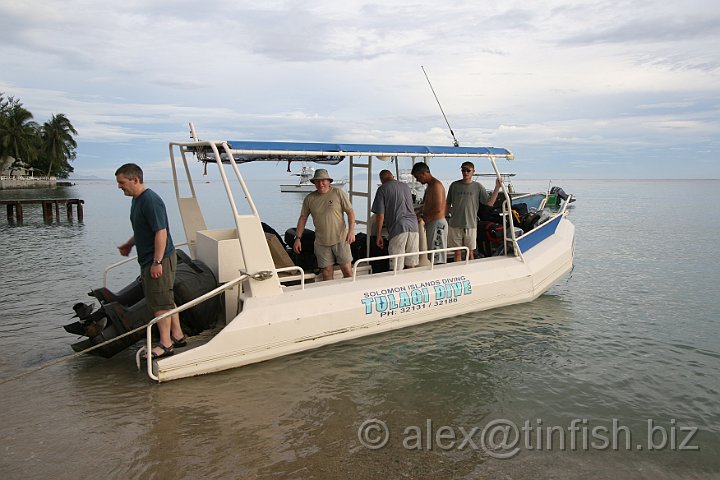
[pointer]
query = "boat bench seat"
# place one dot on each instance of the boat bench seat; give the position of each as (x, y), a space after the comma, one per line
(281, 259)
(287, 277)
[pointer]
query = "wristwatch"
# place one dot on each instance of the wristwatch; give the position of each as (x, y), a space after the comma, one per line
(157, 262)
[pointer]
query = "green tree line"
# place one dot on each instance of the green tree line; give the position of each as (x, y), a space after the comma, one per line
(48, 148)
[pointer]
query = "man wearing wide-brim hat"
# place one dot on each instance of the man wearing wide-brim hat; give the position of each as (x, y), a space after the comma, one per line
(332, 239)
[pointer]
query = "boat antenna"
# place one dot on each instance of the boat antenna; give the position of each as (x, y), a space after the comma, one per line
(455, 142)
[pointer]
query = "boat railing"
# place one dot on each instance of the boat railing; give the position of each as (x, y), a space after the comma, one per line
(181, 308)
(214, 148)
(507, 213)
(509, 236)
(254, 253)
(123, 262)
(403, 255)
(564, 207)
(547, 223)
(294, 268)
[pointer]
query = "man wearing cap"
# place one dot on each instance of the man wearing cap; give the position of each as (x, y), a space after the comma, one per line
(332, 241)
(463, 200)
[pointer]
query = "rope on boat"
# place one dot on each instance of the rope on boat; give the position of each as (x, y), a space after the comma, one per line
(71, 356)
(261, 275)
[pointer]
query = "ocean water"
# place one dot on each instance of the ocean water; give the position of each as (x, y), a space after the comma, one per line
(620, 360)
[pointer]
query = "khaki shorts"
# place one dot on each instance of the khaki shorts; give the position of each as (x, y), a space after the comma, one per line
(462, 237)
(329, 255)
(405, 242)
(159, 291)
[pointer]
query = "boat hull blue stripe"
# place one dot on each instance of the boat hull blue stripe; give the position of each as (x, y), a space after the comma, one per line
(536, 236)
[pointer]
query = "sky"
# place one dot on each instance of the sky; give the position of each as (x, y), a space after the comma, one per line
(576, 89)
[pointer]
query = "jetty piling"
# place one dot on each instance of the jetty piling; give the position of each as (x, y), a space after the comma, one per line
(14, 210)
(50, 208)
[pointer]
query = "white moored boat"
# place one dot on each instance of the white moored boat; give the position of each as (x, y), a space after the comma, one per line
(274, 310)
(304, 185)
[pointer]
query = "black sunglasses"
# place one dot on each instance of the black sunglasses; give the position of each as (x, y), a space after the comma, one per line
(465, 170)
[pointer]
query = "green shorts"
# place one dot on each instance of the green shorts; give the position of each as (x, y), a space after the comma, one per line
(159, 291)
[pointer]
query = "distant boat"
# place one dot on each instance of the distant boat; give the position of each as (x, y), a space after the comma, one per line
(304, 185)
(553, 198)
(505, 176)
(417, 189)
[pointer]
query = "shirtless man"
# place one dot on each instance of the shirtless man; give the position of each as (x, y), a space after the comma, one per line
(433, 211)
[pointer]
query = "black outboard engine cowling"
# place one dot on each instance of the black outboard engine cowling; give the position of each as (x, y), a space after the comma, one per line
(561, 194)
(127, 310)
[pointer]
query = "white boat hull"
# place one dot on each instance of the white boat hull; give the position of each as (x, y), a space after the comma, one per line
(299, 188)
(331, 312)
(305, 187)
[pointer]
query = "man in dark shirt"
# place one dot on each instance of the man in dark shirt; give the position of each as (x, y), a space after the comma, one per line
(393, 206)
(156, 255)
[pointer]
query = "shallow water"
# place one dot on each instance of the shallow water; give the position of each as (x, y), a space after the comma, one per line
(629, 337)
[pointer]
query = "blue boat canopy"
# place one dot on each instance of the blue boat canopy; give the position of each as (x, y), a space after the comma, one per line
(359, 148)
(333, 153)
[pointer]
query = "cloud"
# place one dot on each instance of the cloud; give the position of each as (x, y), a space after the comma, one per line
(585, 79)
(651, 30)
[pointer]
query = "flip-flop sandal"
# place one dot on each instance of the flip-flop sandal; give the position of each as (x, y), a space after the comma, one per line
(167, 351)
(179, 342)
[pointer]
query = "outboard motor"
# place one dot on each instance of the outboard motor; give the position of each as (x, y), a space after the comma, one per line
(560, 194)
(127, 309)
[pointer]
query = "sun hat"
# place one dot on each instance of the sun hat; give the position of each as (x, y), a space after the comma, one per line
(321, 174)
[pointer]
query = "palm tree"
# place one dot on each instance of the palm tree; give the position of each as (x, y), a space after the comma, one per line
(58, 144)
(4, 102)
(18, 134)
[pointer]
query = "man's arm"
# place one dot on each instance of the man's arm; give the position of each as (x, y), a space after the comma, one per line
(297, 245)
(351, 226)
(160, 242)
(448, 202)
(496, 190)
(379, 220)
(126, 247)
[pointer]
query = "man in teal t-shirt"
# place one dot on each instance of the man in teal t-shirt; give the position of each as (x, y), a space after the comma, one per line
(156, 255)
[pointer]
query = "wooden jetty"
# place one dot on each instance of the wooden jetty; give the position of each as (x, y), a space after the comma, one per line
(49, 207)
